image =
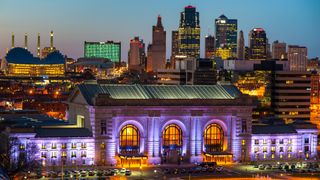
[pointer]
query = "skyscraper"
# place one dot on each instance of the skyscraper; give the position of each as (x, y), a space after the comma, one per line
(279, 50)
(241, 47)
(157, 58)
(297, 57)
(209, 46)
(174, 47)
(189, 32)
(110, 50)
(290, 97)
(226, 33)
(258, 44)
(136, 54)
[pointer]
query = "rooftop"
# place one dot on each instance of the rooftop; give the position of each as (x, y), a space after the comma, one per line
(63, 132)
(20, 55)
(30, 120)
(159, 92)
(273, 129)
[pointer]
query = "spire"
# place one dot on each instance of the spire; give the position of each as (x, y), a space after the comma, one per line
(159, 22)
(51, 40)
(38, 46)
(26, 41)
(12, 40)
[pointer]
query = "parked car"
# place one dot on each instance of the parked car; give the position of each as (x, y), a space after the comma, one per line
(219, 168)
(261, 167)
(123, 170)
(91, 173)
(128, 172)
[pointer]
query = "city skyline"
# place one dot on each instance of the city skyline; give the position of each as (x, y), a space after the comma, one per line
(126, 21)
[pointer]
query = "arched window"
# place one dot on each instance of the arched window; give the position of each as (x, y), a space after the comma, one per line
(213, 138)
(129, 139)
(172, 136)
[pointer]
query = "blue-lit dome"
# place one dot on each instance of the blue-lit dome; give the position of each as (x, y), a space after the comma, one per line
(54, 58)
(20, 55)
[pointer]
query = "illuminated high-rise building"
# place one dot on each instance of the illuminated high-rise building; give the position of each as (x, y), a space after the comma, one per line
(291, 95)
(209, 46)
(110, 50)
(189, 32)
(226, 33)
(224, 53)
(241, 47)
(136, 54)
(297, 57)
(157, 57)
(258, 44)
(279, 50)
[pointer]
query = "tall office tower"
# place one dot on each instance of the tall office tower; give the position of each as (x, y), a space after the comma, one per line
(209, 46)
(12, 40)
(258, 44)
(226, 33)
(241, 47)
(189, 33)
(297, 57)
(279, 50)
(38, 46)
(290, 97)
(136, 54)
(157, 58)
(174, 47)
(110, 50)
(51, 40)
(25, 41)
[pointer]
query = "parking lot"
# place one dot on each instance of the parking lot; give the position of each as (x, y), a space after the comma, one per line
(133, 173)
(274, 170)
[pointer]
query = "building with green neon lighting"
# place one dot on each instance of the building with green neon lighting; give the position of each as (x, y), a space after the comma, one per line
(110, 50)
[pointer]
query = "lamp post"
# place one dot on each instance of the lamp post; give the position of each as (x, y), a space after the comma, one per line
(155, 173)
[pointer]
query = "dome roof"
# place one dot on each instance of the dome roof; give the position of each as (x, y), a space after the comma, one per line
(20, 55)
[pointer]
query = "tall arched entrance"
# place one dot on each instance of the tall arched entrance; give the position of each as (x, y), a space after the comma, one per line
(213, 138)
(129, 146)
(171, 144)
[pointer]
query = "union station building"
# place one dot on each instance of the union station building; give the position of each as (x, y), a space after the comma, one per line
(152, 124)
(137, 125)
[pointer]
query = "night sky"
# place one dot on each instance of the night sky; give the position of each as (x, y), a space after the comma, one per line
(76, 21)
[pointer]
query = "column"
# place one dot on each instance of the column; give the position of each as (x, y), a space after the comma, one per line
(153, 140)
(195, 140)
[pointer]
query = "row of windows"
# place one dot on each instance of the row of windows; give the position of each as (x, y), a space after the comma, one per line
(281, 141)
(273, 149)
(64, 154)
(64, 146)
(171, 137)
(273, 156)
(273, 141)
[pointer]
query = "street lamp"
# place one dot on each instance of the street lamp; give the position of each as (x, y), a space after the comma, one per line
(155, 173)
